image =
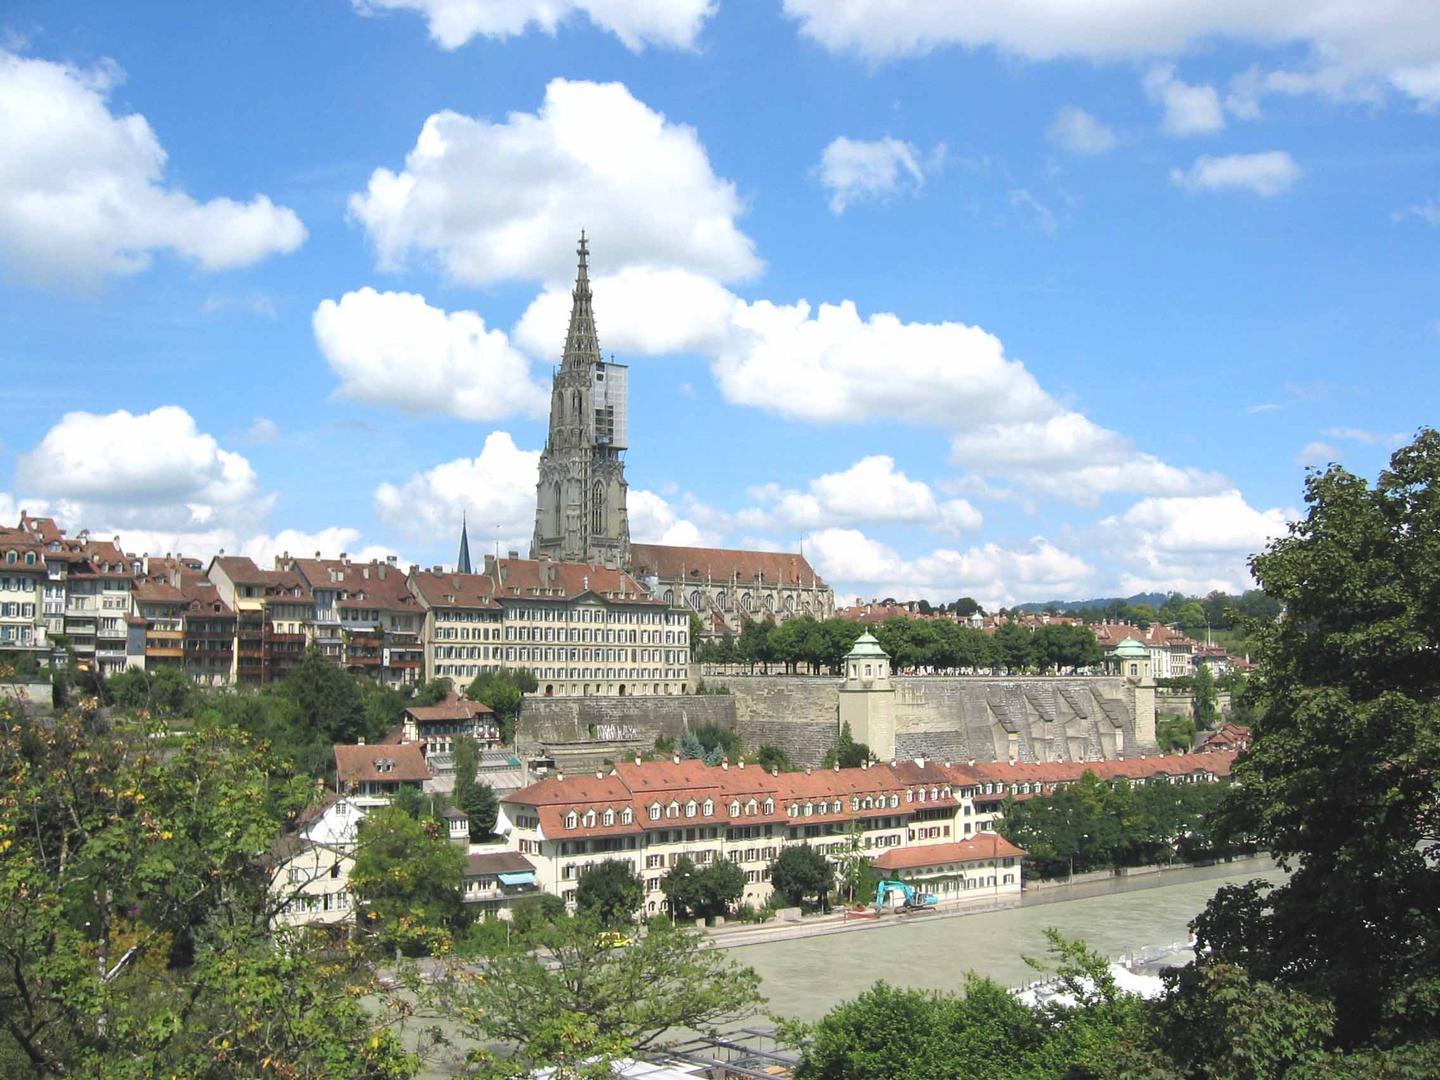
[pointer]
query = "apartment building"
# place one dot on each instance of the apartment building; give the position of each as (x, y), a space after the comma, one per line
(366, 618)
(274, 613)
(650, 814)
(582, 628)
(1172, 654)
(23, 628)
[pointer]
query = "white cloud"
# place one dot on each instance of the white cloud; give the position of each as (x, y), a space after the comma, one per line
(1388, 439)
(673, 23)
(1349, 48)
(1044, 216)
(153, 468)
(654, 521)
(1078, 132)
(854, 170)
(395, 349)
(1068, 456)
(83, 195)
(263, 430)
(871, 490)
(829, 364)
(1427, 211)
(855, 564)
(496, 201)
(496, 491)
(1194, 544)
(639, 312)
(1317, 454)
(1189, 109)
(1266, 174)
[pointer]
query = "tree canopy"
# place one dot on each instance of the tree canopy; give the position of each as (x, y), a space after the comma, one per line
(406, 881)
(802, 875)
(610, 891)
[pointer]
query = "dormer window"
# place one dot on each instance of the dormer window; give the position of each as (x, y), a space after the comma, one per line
(673, 810)
(894, 801)
(572, 820)
(922, 794)
(750, 807)
(909, 795)
(869, 802)
(854, 802)
(735, 808)
(709, 807)
(384, 765)
(609, 818)
(627, 815)
(809, 809)
(945, 791)
(589, 819)
(690, 808)
(794, 809)
(769, 806)
(654, 811)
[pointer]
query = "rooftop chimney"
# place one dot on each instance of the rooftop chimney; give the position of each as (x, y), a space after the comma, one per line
(676, 759)
(559, 776)
(637, 759)
(775, 770)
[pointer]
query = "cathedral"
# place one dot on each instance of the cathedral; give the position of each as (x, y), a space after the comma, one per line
(580, 513)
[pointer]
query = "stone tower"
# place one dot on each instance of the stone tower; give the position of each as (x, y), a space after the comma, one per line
(867, 699)
(580, 497)
(1134, 662)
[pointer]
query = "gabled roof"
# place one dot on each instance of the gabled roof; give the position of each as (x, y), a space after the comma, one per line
(699, 564)
(981, 846)
(354, 764)
(452, 590)
(454, 707)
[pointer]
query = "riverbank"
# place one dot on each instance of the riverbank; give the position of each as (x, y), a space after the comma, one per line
(740, 935)
(805, 977)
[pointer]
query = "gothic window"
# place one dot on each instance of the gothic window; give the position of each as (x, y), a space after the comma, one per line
(597, 510)
(557, 513)
(695, 599)
(575, 404)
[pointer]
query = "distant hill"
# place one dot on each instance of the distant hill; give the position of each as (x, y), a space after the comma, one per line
(1154, 599)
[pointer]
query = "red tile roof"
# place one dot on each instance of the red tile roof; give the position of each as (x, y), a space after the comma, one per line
(354, 764)
(982, 846)
(454, 707)
(699, 564)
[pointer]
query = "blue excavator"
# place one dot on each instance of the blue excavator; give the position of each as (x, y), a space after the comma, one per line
(912, 900)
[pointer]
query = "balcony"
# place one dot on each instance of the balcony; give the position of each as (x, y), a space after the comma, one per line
(164, 652)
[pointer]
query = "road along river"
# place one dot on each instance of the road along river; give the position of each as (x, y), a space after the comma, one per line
(805, 977)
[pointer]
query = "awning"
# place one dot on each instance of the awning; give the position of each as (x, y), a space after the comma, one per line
(525, 878)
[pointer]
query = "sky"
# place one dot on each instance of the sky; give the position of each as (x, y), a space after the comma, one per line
(1017, 299)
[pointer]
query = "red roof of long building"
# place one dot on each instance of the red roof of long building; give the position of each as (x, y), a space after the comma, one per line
(981, 846)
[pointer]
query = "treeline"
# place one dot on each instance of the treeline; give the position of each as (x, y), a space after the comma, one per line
(1092, 825)
(812, 646)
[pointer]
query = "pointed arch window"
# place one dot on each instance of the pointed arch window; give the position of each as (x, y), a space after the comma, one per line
(597, 510)
(558, 513)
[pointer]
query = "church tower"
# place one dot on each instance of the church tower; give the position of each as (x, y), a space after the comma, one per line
(580, 498)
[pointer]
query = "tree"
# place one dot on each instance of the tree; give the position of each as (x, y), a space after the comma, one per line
(854, 876)
(847, 753)
(1174, 734)
(722, 884)
(681, 886)
(472, 795)
(697, 629)
(1340, 782)
(802, 875)
(406, 881)
(133, 924)
(610, 891)
(504, 691)
(1207, 713)
(327, 698)
(665, 982)
(537, 910)
(773, 759)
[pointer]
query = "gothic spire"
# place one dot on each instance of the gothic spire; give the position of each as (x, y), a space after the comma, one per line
(582, 347)
(462, 561)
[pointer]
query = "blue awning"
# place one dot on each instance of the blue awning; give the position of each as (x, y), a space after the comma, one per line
(525, 878)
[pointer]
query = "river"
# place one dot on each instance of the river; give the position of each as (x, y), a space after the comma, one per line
(805, 977)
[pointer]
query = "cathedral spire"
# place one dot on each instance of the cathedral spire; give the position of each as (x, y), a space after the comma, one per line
(462, 561)
(582, 346)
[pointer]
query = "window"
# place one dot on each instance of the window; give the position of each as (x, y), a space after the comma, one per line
(597, 510)
(572, 819)
(769, 806)
(627, 816)
(735, 808)
(690, 808)
(609, 818)
(558, 514)
(708, 808)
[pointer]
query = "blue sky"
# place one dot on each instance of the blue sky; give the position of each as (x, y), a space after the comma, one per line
(1016, 302)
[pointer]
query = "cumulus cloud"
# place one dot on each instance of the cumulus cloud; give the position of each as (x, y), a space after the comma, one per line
(263, 431)
(856, 564)
(1348, 48)
(1068, 456)
(1266, 174)
(140, 468)
(674, 24)
(854, 170)
(1189, 109)
(1077, 131)
(1195, 544)
(491, 201)
(871, 490)
(1317, 455)
(392, 348)
(83, 194)
(495, 490)
(654, 521)
(641, 311)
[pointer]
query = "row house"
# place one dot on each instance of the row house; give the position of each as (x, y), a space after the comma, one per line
(933, 821)
(274, 610)
(366, 618)
(651, 814)
(583, 628)
(23, 629)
